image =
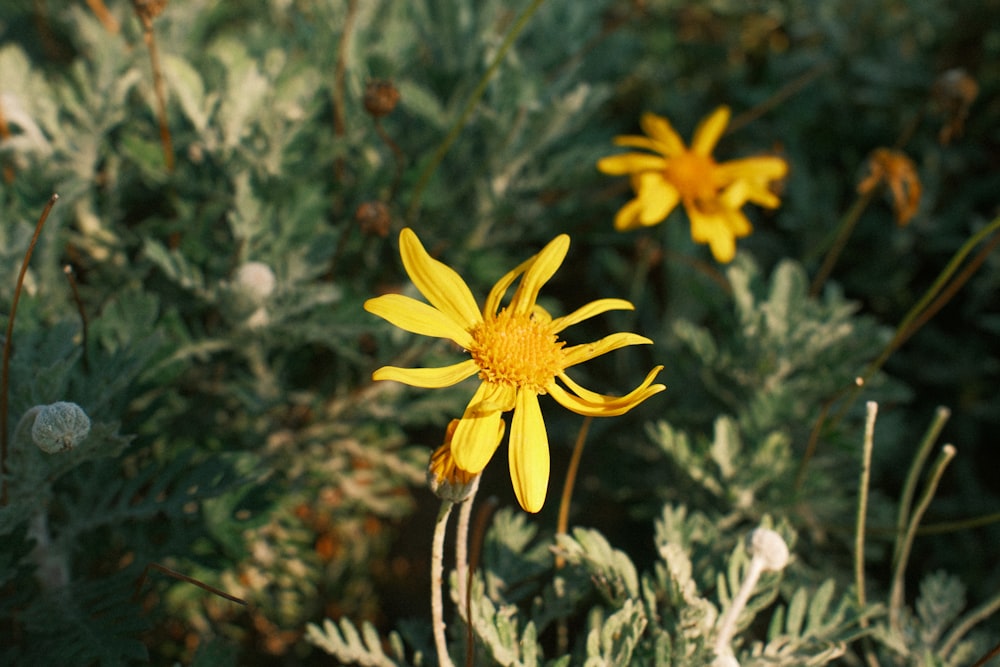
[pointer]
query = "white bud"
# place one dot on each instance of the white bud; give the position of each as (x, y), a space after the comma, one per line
(60, 427)
(256, 280)
(770, 547)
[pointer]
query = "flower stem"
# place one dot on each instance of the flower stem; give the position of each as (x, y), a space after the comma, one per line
(847, 224)
(910, 485)
(462, 572)
(5, 371)
(470, 104)
(437, 582)
(859, 538)
(896, 592)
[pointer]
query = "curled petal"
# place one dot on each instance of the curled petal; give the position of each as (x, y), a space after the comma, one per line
(668, 142)
(430, 378)
(545, 264)
(498, 291)
(529, 452)
(590, 310)
(578, 354)
(419, 318)
(475, 439)
(630, 163)
(627, 217)
(709, 131)
(591, 404)
(439, 283)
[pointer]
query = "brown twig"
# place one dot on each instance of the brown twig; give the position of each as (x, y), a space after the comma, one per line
(182, 577)
(5, 372)
(147, 10)
(68, 271)
(106, 18)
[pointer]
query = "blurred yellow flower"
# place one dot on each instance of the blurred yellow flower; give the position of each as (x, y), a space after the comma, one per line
(896, 170)
(712, 193)
(516, 352)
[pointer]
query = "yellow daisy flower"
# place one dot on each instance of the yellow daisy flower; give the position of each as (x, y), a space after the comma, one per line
(712, 193)
(516, 352)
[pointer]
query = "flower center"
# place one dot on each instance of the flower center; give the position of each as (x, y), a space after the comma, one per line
(517, 350)
(693, 175)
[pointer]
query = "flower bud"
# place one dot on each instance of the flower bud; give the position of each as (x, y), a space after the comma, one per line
(256, 280)
(770, 548)
(60, 427)
(380, 98)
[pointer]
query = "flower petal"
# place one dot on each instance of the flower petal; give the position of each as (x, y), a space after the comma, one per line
(659, 128)
(763, 167)
(545, 264)
(709, 131)
(627, 217)
(430, 378)
(657, 195)
(719, 230)
(528, 452)
(581, 353)
(499, 290)
(419, 318)
(475, 438)
(590, 310)
(439, 283)
(630, 163)
(591, 404)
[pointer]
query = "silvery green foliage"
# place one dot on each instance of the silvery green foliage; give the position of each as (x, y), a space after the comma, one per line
(59, 427)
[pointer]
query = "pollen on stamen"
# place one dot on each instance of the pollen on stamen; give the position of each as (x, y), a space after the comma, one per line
(517, 350)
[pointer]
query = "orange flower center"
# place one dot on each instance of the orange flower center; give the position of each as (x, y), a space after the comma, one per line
(517, 350)
(693, 175)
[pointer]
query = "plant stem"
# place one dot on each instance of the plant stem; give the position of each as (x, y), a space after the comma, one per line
(910, 485)
(896, 592)
(462, 572)
(5, 372)
(847, 224)
(437, 582)
(969, 621)
(470, 104)
(859, 537)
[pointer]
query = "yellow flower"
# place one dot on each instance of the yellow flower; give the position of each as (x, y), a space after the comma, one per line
(712, 193)
(516, 352)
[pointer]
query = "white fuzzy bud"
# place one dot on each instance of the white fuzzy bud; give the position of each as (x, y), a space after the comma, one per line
(770, 548)
(256, 280)
(60, 427)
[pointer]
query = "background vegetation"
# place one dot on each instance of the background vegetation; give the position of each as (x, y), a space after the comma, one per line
(232, 178)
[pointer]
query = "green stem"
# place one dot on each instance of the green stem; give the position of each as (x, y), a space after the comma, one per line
(437, 581)
(470, 104)
(859, 537)
(973, 618)
(896, 592)
(910, 486)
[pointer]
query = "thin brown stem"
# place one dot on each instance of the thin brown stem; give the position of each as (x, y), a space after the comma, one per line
(8, 170)
(106, 18)
(68, 271)
(789, 90)
(161, 96)
(185, 578)
(5, 372)
(844, 230)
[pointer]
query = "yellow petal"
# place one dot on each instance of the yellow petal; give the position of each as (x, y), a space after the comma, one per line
(709, 131)
(440, 284)
(659, 128)
(766, 168)
(581, 353)
(590, 310)
(629, 163)
(430, 378)
(627, 217)
(588, 403)
(545, 264)
(657, 196)
(496, 294)
(529, 452)
(419, 318)
(475, 437)
(715, 230)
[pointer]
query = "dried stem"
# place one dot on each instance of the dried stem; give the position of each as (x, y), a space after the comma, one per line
(185, 578)
(5, 372)
(106, 18)
(146, 18)
(844, 229)
(859, 536)
(68, 271)
(910, 485)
